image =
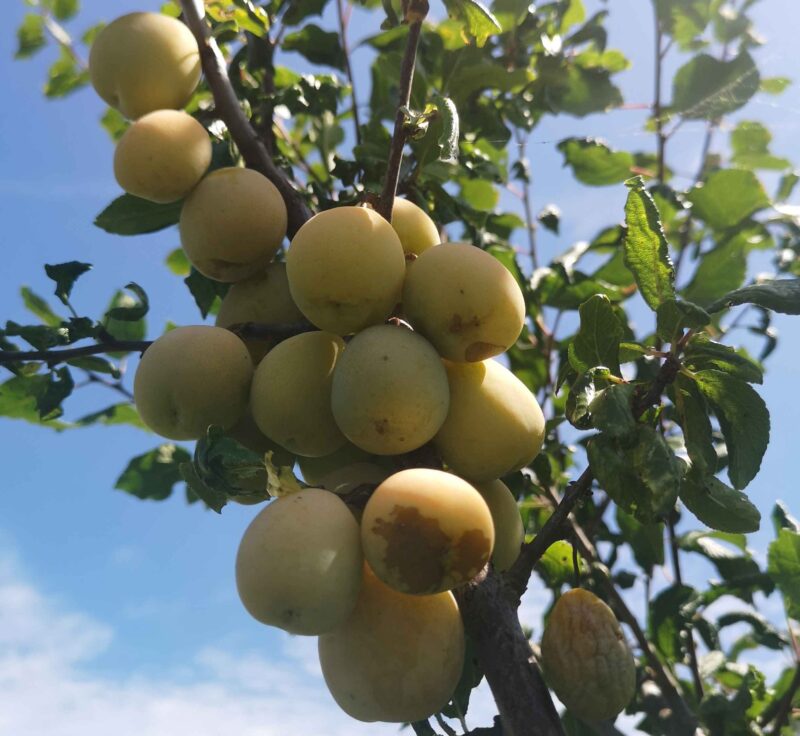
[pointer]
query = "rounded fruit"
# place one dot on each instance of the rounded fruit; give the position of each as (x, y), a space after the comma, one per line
(291, 394)
(464, 301)
(494, 425)
(162, 156)
(509, 532)
(190, 378)
(586, 659)
(232, 224)
(143, 62)
(390, 392)
(397, 658)
(416, 230)
(346, 268)
(263, 299)
(344, 470)
(299, 564)
(247, 433)
(426, 531)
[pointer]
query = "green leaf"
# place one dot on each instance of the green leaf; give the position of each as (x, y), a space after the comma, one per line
(717, 505)
(557, 289)
(743, 419)
(645, 246)
(318, 46)
(594, 163)
(471, 676)
(611, 410)
(95, 364)
(478, 19)
(781, 295)
(154, 474)
(720, 270)
(65, 275)
(128, 312)
(178, 263)
(20, 398)
(65, 76)
(640, 474)
(675, 315)
(123, 329)
(448, 137)
(556, 564)
(58, 387)
(114, 415)
(599, 336)
(30, 35)
(750, 145)
(707, 88)
(702, 353)
(667, 619)
(129, 215)
(646, 540)
(774, 85)
(36, 304)
(727, 197)
(62, 9)
(299, 10)
(205, 291)
(211, 497)
(784, 568)
(782, 519)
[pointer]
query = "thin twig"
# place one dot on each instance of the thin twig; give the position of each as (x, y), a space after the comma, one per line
(530, 223)
(778, 712)
(230, 112)
(386, 202)
(661, 138)
(343, 22)
(63, 39)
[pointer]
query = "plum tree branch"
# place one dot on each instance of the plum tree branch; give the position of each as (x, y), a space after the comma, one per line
(230, 112)
(415, 14)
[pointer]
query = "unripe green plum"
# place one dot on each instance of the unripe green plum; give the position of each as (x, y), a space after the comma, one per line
(143, 62)
(262, 299)
(346, 268)
(509, 532)
(162, 156)
(397, 658)
(464, 301)
(190, 378)
(426, 531)
(232, 224)
(390, 392)
(291, 394)
(494, 425)
(415, 229)
(299, 564)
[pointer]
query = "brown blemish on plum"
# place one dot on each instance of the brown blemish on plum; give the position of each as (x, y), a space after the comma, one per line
(478, 351)
(470, 553)
(416, 548)
(381, 426)
(458, 324)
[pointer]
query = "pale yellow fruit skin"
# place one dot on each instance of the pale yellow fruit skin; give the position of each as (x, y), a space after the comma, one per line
(509, 532)
(464, 301)
(586, 659)
(346, 268)
(162, 156)
(416, 230)
(143, 62)
(299, 564)
(192, 377)
(426, 531)
(291, 394)
(494, 425)
(398, 658)
(344, 470)
(390, 392)
(232, 224)
(263, 299)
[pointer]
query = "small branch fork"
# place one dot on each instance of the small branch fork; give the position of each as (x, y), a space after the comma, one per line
(230, 112)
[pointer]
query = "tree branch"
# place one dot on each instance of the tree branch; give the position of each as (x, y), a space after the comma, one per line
(386, 202)
(230, 112)
(778, 712)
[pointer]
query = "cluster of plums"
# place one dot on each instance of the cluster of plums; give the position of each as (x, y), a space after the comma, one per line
(345, 400)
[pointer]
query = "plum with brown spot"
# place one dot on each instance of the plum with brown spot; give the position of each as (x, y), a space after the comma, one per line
(425, 531)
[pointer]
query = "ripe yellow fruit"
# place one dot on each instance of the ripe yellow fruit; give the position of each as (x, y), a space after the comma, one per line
(162, 156)
(262, 299)
(494, 425)
(464, 301)
(299, 564)
(415, 229)
(346, 268)
(390, 392)
(291, 394)
(232, 224)
(426, 531)
(586, 659)
(192, 377)
(143, 62)
(509, 533)
(344, 470)
(398, 658)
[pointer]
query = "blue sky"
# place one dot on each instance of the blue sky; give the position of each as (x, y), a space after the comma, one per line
(119, 616)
